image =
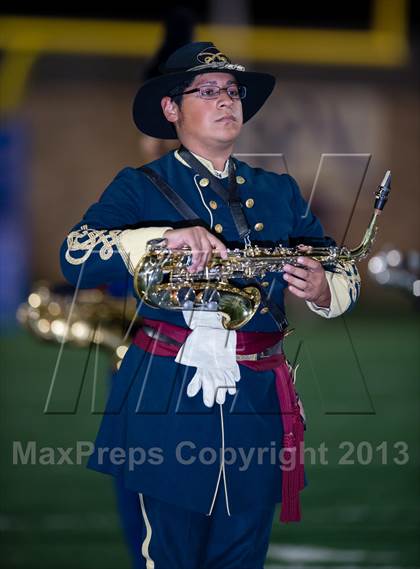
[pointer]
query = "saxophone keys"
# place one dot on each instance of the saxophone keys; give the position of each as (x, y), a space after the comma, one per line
(210, 295)
(259, 226)
(186, 297)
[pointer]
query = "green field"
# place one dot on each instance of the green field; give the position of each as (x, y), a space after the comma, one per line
(359, 378)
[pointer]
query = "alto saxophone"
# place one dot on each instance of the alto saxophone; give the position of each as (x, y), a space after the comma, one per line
(162, 279)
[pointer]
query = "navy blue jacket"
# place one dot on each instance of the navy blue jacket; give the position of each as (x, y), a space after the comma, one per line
(149, 417)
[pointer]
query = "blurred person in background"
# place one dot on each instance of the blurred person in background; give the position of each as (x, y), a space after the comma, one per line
(179, 30)
(172, 398)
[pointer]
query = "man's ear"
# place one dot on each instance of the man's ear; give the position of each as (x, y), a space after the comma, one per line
(170, 109)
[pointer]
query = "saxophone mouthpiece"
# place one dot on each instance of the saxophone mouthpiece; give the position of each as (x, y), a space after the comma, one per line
(381, 196)
(386, 182)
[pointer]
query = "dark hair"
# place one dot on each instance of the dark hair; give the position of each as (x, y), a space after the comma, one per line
(176, 93)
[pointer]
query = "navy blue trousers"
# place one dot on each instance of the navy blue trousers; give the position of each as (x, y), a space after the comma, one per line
(131, 521)
(175, 538)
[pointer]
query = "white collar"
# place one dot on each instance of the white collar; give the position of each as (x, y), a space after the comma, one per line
(218, 173)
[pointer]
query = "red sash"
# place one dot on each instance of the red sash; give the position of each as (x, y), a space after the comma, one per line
(250, 343)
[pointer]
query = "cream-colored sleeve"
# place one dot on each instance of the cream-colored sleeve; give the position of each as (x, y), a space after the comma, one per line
(345, 289)
(132, 243)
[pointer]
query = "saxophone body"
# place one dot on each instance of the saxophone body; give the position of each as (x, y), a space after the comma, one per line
(162, 279)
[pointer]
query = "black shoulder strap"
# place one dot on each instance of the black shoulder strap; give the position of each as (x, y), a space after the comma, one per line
(230, 196)
(179, 204)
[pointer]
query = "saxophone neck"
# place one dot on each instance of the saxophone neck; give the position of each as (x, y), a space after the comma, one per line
(381, 197)
(368, 238)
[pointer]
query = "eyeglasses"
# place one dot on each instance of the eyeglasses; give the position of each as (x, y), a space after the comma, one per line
(213, 91)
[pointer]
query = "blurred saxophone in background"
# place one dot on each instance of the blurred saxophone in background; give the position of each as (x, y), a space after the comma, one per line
(54, 314)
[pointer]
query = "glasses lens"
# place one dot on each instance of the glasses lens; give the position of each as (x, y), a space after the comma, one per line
(213, 91)
(241, 91)
(236, 91)
(233, 91)
(209, 92)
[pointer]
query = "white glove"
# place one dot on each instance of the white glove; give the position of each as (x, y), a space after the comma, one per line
(212, 350)
(214, 383)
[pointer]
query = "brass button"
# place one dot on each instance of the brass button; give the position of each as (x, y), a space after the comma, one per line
(259, 226)
(218, 228)
(265, 283)
(249, 202)
(204, 182)
(264, 310)
(213, 204)
(240, 180)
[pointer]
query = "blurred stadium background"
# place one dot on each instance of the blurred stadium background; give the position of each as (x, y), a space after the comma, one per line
(348, 85)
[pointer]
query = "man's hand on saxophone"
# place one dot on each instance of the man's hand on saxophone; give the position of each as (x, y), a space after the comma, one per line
(308, 281)
(201, 242)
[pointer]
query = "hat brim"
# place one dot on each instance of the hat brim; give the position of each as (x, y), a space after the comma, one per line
(147, 111)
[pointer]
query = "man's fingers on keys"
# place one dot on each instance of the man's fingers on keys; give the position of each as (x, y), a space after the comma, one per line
(218, 246)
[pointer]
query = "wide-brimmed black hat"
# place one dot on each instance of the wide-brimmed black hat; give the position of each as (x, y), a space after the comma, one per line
(186, 62)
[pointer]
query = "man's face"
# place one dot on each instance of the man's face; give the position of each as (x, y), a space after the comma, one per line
(210, 120)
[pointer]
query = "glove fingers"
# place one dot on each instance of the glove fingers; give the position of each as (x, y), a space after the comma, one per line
(215, 384)
(236, 373)
(194, 385)
(230, 385)
(221, 394)
(225, 382)
(208, 392)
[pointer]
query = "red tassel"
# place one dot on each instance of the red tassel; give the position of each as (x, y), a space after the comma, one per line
(293, 474)
(293, 477)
